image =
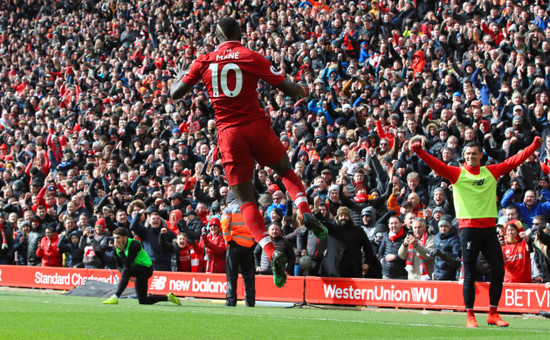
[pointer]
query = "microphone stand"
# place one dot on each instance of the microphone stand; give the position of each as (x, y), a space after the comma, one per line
(304, 303)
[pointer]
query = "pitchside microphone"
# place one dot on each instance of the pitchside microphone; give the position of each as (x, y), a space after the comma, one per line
(305, 263)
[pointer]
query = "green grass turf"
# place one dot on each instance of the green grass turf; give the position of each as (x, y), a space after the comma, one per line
(51, 316)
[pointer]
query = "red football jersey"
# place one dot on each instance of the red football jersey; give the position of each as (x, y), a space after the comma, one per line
(517, 263)
(231, 76)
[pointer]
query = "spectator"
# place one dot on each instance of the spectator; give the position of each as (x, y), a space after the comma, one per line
(46, 220)
(122, 220)
(69, 247)
(393, 266)
(34, 238)
(333, 201)
(446, 252)
(416, 250)
(530, 207)
(368, 222)
(47, 249)
(539, 262)
(308, 244)
(20, 245)
(319, 188)
(262, 262)
(6, 243)
(433, 223)
(542, 255)
(193, 225)
(278, 203)
(215, 247)
(149, 232)
(349, 252)
(517, 260)
(94, 243)
(440, 200)
(69, 226)
(186, 254)
(84, 222)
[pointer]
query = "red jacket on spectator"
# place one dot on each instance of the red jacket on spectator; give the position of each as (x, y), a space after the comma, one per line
(215, 252)
(497, 37)
(40, 197)
(49, 252)
(419, 62)
(173, 218)
(45, 167)
(382, 133)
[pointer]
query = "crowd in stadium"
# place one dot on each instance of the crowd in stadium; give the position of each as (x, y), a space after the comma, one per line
(91, 140)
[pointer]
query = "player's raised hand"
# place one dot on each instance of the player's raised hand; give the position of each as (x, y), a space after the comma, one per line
(178, 71)
(538, 140)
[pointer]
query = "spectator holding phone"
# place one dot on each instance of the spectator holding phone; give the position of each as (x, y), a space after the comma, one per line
(416, 251)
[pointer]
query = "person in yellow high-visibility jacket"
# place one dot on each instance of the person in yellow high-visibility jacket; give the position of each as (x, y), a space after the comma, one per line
(240, 253)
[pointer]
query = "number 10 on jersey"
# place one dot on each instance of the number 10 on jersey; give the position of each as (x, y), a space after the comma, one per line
(219, 79)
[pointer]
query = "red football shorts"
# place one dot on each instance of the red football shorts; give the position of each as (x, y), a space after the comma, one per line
(241, 145)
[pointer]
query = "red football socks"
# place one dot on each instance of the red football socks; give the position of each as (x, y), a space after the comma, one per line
(296, 189)
(255, 224)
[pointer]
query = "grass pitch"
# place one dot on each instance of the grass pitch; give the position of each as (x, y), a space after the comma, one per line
(51, 316)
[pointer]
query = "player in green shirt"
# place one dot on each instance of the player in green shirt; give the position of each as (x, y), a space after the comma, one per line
(133, 261)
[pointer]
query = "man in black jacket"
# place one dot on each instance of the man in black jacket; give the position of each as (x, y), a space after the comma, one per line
(149, 233)
(393, 267)
(345, 242)
(6, 241)
(33, 240)
(191, 225)
(309, 245)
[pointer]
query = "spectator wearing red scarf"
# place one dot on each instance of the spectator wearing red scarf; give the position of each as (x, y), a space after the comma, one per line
(393, 266)
(416, 249)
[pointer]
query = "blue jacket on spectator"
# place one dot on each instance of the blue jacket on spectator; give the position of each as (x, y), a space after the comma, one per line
(527, 214)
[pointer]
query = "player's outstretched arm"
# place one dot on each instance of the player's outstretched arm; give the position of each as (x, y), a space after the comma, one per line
(292, 89)
(449, 172)
(513, 162)
(179, 88)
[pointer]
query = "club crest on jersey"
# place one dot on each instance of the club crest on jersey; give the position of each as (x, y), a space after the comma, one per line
(274, 71)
